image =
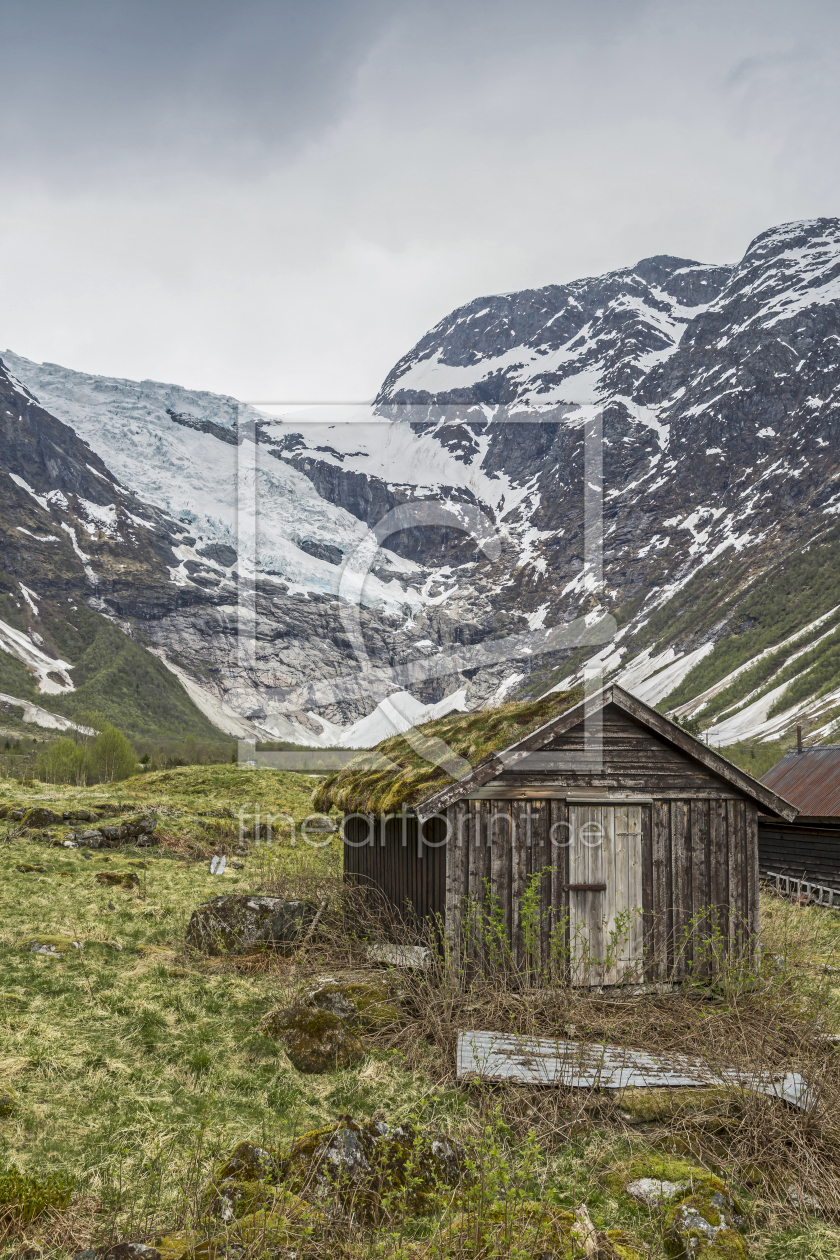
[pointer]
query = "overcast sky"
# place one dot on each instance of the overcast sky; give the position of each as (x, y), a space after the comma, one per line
(276, 198)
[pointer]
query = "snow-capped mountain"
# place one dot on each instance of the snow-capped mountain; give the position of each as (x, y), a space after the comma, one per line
(450, 515)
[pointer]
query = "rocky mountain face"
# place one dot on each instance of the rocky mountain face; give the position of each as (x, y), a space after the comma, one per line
(81, 554)
(442, 542)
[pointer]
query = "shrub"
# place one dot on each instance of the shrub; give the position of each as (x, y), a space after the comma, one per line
(107, 758)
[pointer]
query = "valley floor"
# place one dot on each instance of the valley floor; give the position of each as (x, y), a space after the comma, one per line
(133, 1066)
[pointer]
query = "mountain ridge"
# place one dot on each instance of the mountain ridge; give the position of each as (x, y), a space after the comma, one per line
(720, 425)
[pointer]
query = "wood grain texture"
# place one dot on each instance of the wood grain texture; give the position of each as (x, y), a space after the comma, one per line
(663, 901)
(681, 885)
(719, 872)
(700, 886)
(753, 909)
(520, 861)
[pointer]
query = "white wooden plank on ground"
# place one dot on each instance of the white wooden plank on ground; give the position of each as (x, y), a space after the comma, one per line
(493, 1056)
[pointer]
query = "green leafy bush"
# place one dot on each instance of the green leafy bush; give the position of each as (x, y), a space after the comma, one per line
(107, 759)
(63, 762)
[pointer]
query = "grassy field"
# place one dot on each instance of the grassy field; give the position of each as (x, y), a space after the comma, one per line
(132, 1070)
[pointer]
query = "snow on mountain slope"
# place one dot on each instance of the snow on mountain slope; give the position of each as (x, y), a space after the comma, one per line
(718, 389)
(564, 343)
(195, 476)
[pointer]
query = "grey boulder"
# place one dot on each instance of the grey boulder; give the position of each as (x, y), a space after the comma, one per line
(237, 922)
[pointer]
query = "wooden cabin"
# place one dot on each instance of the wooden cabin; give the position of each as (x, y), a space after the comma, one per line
(603, 841)
(807, 848)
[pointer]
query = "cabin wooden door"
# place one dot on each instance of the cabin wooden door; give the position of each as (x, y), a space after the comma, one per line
(606, 934)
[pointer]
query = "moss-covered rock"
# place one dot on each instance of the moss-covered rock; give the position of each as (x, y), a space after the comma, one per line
(368, 1164)
(492, 1229)
(345, 1167)
(658, 1178)
(274, 1232)
(118, 879)
(38, 817)
(52, 945)
(140, 831)
(315, 1041)
(236, 922)
(530, 1228)
(8, 1102)
(706, 1227)
(625, 1246)
(359, 1004)
(80, 815)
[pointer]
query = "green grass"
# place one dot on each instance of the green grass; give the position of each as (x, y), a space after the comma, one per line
(133, 689)
(16, 680)
(757, 758)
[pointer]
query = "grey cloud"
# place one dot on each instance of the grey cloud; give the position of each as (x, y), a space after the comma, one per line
(92, 84)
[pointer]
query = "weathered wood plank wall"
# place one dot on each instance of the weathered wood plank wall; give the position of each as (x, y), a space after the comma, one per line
(699, 854)
(698, 880)
(806, 849)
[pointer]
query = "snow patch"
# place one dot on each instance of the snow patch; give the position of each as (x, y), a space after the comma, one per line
(52, 674)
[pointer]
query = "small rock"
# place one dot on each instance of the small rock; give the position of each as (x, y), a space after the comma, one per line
(120, 1251)
(347, 1166)
(707, 1226)
(357, 1004)
(315, 1041)
(419, 956)
(128, 1251)
(651, 1192)
(135, 831)
(52, 945)
(802, 1201)
(38, 817)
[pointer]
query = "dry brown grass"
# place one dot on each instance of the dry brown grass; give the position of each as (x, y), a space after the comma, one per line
(767, 1018)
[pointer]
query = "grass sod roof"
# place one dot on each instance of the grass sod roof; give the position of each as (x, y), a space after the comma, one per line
(394, 774)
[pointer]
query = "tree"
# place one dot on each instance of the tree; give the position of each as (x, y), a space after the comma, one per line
(110, 756)
(63, 762)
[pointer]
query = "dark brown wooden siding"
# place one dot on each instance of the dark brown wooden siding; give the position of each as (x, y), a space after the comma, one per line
(804, 849)
(410, 876)
(632, 759)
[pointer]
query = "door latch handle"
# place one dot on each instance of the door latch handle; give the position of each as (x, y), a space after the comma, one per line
(585, 887)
